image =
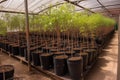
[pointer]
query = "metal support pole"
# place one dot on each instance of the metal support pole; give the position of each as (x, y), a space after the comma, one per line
(79, 6)
(118, 68)
(17, 12)
(104, 7)
(2, 1)
(27, 34)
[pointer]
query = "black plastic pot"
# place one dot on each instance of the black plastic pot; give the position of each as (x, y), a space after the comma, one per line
(21, 51)
(6, 72)
(58, 53)
(94, 51)
(53, 50)
(0, 45)
(84, 49)
(45, 49)
(70, 53)
(60, 65)
(75, 66)
(85, 60)
(10, 48)
(77, 50)
(36, 58)
(91, 53)
(26, 56)
(15, 50)
(6, 46)
(3, 46)
(63, 49)
(89, 56)
(46, 60)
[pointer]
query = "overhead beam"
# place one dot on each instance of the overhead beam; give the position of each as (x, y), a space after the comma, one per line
(104, 7)
(100, 6)
(49, 7)
(79, 6)
(5, 11)
(2, 1)
(77, 1)
(114, 11)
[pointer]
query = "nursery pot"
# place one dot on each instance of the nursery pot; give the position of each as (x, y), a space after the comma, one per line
(22, 51)
(45, 49)
(60, 65)
(36, 58)
(62, 49)
(85, 60)
(94, 51)
(15, 50)
(46, 60)
(91, 53)
(75, 66)
(3, 45)
(58, 53)
(0, 45)
(26, 55)
(77, 50)
(10, 48)
(84, 48)
(6, 72)
(69, 53)
(53, 50)
(6, 45)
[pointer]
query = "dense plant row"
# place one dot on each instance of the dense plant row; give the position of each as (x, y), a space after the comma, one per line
(60, 18)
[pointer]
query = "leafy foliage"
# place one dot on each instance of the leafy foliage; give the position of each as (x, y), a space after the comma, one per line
(62, 18)
(3, 28)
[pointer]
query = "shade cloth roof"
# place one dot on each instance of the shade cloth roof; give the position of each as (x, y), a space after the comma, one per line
(37, 6)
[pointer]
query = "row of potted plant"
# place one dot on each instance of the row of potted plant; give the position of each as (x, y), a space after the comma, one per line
(60, 21)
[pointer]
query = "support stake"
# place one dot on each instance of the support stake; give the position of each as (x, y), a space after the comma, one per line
(27, 34)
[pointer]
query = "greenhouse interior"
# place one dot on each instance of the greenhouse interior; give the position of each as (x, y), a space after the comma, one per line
(59, 40)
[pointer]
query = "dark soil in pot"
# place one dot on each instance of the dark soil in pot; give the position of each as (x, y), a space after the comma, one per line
(58, 53)
(70, 53)
(78, 50)
(45, 49)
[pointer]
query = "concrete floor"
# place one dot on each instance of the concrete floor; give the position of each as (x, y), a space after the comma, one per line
(106, 66)
(21, 70)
